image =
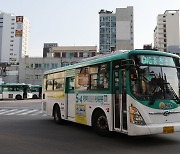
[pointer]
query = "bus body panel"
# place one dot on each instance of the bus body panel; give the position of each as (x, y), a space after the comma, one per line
(80, 107)
(11, 95)
(84, 105)
(154, 122)
(155, 116)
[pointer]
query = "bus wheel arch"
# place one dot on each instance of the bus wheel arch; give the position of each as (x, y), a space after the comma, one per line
(99, 121)
(57, 113)
(18, 97)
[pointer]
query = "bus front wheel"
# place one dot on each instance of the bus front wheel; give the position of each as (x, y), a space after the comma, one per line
(100, 123)
(57, 115)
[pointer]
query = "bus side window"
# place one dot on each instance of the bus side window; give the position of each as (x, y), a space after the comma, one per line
(49, 84)
(59, 84)
(94, 79)
(103, 76)
(82, 79)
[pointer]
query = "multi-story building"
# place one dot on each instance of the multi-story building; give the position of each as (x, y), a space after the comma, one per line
(31, 69)
(166, 32)
(47, 47)
(72, 54)
(116, 30)
(14, 34)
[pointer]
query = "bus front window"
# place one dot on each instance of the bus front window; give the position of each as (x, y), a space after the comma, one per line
(156, 83)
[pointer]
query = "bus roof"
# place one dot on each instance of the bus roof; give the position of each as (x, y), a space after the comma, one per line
(110, 57)
(13, 84)
(36, 86)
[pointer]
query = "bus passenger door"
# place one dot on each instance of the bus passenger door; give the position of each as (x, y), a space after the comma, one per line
(70, 98)
(120, 109)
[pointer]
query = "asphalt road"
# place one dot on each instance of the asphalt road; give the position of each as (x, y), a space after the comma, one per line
(25, 130)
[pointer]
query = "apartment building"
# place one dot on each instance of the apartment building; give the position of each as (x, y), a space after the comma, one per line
(166, 32)
(116, 30)
(14, 35)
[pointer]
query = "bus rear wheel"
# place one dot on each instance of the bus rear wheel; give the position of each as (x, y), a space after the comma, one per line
(35, 96)
(57, 115)
(100, 124)
(18, 97)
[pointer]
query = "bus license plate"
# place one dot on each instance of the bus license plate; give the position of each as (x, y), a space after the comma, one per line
(168, 129)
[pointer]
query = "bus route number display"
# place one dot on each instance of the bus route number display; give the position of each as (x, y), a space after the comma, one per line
(156, 60)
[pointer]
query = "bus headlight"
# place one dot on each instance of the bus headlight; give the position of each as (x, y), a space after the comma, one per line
(135, 116)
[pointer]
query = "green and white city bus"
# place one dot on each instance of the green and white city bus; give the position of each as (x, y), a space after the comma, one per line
(15, 91)
(133, 92)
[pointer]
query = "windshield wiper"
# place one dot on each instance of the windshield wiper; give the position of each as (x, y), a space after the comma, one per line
(171, 90)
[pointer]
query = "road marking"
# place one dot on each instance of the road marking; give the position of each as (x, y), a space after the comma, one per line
(31, 111)
(17, 112)
(8, 111)
(21, 111)
(2, 110)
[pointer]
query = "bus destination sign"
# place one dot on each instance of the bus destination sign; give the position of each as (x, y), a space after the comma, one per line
(156, 60)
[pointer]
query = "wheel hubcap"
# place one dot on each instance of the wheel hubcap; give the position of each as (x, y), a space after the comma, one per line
(102, 122)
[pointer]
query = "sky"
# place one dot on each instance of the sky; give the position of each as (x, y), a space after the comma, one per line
(76, 22)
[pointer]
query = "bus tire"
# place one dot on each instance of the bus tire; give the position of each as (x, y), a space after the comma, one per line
(35, 96)
(57, 114)
(18, 97)
(100, 123)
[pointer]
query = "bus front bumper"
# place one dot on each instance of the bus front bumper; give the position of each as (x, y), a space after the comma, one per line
(168, 128)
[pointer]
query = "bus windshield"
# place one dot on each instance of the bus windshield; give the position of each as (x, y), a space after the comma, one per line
(156, 81)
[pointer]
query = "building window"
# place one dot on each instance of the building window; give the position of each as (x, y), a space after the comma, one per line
(38, 77)
(37, 65)
(85, 54)
(81, 54)
(71, 55)
(67, 55)
(56, 54)
(113, 19)
(54, 65)
(75, 54)
(27, 65)
(46, 65)
(63, 54)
